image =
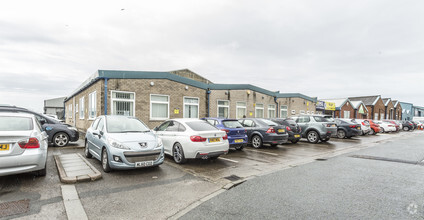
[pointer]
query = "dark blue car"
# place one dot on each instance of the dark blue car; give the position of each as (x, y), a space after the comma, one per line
(237, 136)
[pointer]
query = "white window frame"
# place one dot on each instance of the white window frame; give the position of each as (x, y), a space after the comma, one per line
(271, 107)
(286, 110)
(241, 107)
(91, 106)
(344, 114)
(184, 104)
(123, 100)
(259, 108)
(159, 102)
(223, 106)
(81, 107)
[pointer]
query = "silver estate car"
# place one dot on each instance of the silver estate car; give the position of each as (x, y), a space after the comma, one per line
(23, 144)
(123, 142)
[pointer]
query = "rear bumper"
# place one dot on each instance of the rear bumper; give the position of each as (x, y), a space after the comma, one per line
(210, 154)
(275, 139)
(30, 160)
(236, 140)
(199, 150)
(292, 136)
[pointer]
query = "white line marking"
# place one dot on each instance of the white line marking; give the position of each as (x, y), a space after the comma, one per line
(223, 158)
(263, 152)
(73, 206)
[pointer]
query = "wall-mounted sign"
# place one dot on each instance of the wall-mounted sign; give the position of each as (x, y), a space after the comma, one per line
(176, 111)
(330, 106)
(320, 105)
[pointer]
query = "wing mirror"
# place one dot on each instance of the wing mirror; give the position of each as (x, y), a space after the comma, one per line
(43, 121)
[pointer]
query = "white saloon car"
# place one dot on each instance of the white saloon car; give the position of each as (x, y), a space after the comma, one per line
(386, 126)
(192, 139)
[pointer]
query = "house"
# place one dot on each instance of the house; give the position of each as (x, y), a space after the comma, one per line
(374, 104)
(407, 110)
(398, 110)
(389, 110)
(55, 107)
(344, 108)
(361, 110)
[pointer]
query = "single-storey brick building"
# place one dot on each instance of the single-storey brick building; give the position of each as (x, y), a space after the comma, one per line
(344, 108)
(375, 106)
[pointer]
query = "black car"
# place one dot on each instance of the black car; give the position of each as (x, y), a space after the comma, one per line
(408, 126)
(292, 128)
(59, 134)
(263, 131)
(347, 129)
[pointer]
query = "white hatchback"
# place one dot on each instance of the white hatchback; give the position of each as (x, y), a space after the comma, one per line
(365, 125)
(192, 139)
(386, 126)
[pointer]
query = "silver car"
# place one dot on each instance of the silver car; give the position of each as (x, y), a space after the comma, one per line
(122, 142)
(316, 127)
(23, 144)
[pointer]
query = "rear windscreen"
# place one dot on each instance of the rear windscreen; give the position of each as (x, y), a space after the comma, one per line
(232, 124)
(321, 119)
(201, 126)
(12, 123)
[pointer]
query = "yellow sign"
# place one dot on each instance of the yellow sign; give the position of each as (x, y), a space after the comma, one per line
(176, 111)
(330, 106)
(250, 113)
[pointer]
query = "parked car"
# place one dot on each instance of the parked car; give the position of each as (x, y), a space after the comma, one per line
(292, 128)
(58, 133)
(123, 142)
(365, 125)
(407, 126)
(400, 123)
(347, 129)
(191, 138)
(394, 123)
(375, 128)
(237, 135)
(386, 126)
(263, 131)
(316, 127)
(23, 144)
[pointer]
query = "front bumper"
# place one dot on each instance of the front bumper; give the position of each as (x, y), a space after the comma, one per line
(128, 159)
(74, 136)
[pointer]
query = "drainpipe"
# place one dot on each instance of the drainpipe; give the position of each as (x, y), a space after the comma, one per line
(208, 92)
(105, 107)
(276, 109)
(372, 113)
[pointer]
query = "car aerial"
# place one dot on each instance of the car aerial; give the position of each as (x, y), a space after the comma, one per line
(123, 142)
(394, 123)
(292, 128)
(346, 128)
(316, 127)
(237, 135)
(385, 126)
(375, 128)
(23, 144)
(365, 125)
(58, 133)
(263, 131)
(191, 138)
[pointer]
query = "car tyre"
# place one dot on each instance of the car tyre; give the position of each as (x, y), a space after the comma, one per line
(60, 139)
(312, 137)
(87, 151)
(295, 141)
(341, 134)
(105, 161)
(382, 130)
(178, 154)
(256, 141)
(42, 172)
(372, 132)
(239, 147)
(406, 128)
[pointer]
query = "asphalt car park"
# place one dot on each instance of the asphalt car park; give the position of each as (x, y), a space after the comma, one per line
(167, 190)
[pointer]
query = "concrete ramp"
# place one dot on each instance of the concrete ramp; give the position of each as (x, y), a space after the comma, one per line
(75, 168)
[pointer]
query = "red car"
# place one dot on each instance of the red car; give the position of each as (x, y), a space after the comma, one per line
(394, 123)
(375, 128)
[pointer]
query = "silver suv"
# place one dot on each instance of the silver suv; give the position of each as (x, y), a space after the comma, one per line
(316, 127)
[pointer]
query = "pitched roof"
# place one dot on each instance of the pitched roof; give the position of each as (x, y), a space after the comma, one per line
(356, 104)
(367, 100)
(338, 102)
(395, 103)
(386, 101)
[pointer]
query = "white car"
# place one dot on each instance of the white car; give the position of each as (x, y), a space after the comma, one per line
(386, 126)
(365, 125)
(192, 139)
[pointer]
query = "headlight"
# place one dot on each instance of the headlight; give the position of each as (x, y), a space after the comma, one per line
(160, 144)
(116, 144)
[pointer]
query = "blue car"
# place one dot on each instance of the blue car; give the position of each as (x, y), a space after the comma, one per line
(237, 136)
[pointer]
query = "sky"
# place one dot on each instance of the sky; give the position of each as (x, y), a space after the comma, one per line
(325, 49)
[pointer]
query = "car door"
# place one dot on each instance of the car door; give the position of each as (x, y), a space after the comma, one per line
(249, 125)
(98, 138)
(303, 122)
(89, 135)
(160, 132)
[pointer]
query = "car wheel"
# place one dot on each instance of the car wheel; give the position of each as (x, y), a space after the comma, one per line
(87, 151)
(256, 141)
(178, 153)
(105, 161)
(312, 137)
(60, 139)
(240, 147)
(295, 141)
(382, 130)
(341, 134)
(406, 128)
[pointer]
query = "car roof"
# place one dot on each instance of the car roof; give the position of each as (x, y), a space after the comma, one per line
(184, 119)
(16, 114)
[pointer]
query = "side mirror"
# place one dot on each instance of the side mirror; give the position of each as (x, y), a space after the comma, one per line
(155, 128)
(101, 133)
(43, 121)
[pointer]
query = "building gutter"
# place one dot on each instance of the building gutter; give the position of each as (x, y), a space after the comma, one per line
(276, 109)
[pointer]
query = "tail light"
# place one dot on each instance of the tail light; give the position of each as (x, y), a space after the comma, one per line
(226, 130)
(352, 126)
(271, 130)
(198, 138)
(288, 128)
(225, 137)
(363, 123)
(29, 143)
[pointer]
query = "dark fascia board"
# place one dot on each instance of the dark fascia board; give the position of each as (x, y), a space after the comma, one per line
(295, 95)
(241, 87)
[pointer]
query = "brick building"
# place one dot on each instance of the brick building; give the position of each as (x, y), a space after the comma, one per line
(389, 111)
(374, 104)
(291, 104)
(398, 110)
(361, 111)
(344, 108)
(407, 110)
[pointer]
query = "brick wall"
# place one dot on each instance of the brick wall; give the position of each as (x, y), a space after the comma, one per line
(297, 104)
(379, 109)
(398, 112)
(390, 111)
(346, 107)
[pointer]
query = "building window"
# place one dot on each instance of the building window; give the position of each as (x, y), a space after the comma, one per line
(240, 110)
(159, 107)
(223, 108)
(346, 114)
(81, 107)
(271, 111)
(259, 111)
(376, 116)
(123, 103)
(92, 105)
(283, 111)
(191, 107)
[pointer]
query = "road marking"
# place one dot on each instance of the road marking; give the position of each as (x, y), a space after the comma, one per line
(73, 206)
(223, 158)
(263, 152)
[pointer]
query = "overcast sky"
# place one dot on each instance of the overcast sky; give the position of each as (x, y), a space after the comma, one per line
(324, 49)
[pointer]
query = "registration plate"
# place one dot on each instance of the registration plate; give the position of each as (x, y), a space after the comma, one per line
(238, 141)
(281, 130)
(211, 140)
(297, 135)
(4, 147)
(144, 164)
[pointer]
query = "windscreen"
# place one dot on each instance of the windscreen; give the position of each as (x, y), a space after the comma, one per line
(201, 126)
(13, 123)
(125, 124)
(232, 124)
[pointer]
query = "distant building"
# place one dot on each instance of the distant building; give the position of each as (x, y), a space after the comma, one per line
(55, 106)
(418, 111)
(375, 106)
(407, 110)
(344, 108)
